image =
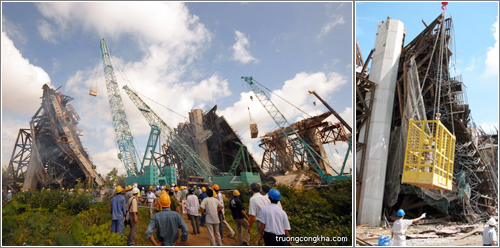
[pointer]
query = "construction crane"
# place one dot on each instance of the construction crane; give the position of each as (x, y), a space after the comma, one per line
(292, 135)
(123, 135)
(190, 159)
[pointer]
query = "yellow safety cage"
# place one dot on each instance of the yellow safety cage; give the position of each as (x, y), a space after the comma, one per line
(429, 155)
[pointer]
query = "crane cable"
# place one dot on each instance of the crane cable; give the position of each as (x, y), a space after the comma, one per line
(281, 98)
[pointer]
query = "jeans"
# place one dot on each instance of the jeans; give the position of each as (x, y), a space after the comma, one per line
(195, 223)
(117, 226)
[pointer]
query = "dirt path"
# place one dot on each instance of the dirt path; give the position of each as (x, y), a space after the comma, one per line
(202, 238)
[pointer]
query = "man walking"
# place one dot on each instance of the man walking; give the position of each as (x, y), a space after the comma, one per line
(202, 196)
(118, 211)
(400, 226)
(265, 190)
(489, 233)
(222, 216)
(240, 217)
(193, 207)
(167, 224)
(274, 225)
(256, 203)
(174, 204)
(151, 198)
(132, 206)
(211, 206)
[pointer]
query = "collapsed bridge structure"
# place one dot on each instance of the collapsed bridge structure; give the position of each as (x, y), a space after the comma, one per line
(413, 81)
(50, 152)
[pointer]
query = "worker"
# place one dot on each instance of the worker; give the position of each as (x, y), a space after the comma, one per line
(167, 224)
(398, 234)
(118, 211)
(151, 198)
(222, 216)
(197, 191)
(240, 217)
(211, 206)
(202, 196)
(274, 222)
(128, 192)
(266, 189)
(132, 207)
(193, 207)
(184, 192)
(9, 195)
(174, 204)
(489, 233)
(158, 192)
(176, 189)
(164, 190)
(257, 201)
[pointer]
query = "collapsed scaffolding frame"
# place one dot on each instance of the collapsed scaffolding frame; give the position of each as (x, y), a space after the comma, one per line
(424, 88)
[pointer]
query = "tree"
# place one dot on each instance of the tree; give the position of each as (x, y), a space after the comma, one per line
(112, 177)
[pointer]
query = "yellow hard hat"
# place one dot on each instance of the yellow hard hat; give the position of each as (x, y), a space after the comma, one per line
(176, 189)
(164, 200)
(118, 189)
(203, 189)
(216, 187)
(426, 142)
(236, 192)
(150, 187)
(182, 187)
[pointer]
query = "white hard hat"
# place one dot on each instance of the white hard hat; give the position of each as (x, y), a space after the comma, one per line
(492, 221)
(9, 191)
(173, 184)
(135, 191)
(71, 190)
(142, 187)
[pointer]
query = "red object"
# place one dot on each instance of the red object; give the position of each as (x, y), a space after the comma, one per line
(444, 5)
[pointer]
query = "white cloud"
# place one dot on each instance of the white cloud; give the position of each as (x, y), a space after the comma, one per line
(240, 49)
(21, 81)
(15, 31)
(47, 31)
(492, 55)
(338, 20)
(490, 128)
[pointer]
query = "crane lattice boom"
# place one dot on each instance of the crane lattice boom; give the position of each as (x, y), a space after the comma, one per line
(190, 159)
(124, 139)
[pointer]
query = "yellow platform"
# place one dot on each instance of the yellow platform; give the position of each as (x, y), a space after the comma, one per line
(429, 155)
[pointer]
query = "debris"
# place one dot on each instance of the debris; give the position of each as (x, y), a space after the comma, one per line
(476, 230)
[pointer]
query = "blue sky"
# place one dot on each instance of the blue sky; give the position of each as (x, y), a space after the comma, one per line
(476, 40)
(182, 55)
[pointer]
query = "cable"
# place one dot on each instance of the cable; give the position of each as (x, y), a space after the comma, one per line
(281, 98)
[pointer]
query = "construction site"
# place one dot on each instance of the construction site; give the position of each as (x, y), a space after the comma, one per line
(417, 146)
(203, 151)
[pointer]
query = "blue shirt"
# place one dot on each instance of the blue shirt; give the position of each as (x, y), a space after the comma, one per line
(202, 196)
(167, 224)
(118, 210)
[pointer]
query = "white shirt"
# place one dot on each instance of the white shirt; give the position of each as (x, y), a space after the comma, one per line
(151, 196)
(211, 205)
(399, 228)
(489, 235)
(279, 203)
(193, 205)
(221, 200)
(275, 218)
(256, 203)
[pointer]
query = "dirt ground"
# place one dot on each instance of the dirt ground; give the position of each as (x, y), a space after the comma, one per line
(371, 234)
(202, 238)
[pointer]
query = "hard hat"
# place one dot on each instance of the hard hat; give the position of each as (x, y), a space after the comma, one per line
(9, 191)
(176, 189)
(203, 189)
(426, 142)
(150, 187)
(118, 189)
(274, 194)
(164, 200)
(236, 192)
(135, 191)
(216, 187)
(118, 186)
(142, 187)
(492, 221)
(401, 212)
(173, 184)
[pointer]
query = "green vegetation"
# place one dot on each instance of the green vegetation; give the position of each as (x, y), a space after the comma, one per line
(58, 218)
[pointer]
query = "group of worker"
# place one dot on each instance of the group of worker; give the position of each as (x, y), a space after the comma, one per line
(400, 226)
(204, 207)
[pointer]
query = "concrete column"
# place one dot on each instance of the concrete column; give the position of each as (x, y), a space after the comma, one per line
(196, 119)
(384, 70)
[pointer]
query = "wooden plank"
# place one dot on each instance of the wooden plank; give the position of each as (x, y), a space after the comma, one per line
(476, 230)
(362, 242)
(422, 236)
